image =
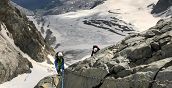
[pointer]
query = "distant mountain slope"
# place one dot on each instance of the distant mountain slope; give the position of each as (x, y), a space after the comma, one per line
(23, 10)
(54, 7)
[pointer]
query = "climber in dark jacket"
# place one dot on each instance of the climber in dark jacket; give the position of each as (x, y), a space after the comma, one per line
(59, 62)
(95, 50)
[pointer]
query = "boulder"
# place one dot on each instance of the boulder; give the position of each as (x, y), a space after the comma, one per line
(140, 52)
(149, 34)
(49, 82)
(166, 50)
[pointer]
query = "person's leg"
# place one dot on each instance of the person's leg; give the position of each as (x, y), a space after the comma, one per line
(59, 70)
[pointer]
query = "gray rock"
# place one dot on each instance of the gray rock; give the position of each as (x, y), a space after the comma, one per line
(138, 80)
(149, 34)
(166, 50)
(140, 52)
(124, 73)
(117, 68)
(156, 31)
(155, 46)
(50, 39)
(164, 41)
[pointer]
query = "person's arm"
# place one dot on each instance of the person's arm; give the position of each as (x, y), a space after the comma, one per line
(92, 53)
(63, 64)
(56, 64)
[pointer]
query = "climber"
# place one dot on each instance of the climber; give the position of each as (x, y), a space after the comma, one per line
(59, 62)
(95, 50)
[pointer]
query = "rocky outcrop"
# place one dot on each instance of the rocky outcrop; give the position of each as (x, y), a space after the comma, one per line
(112, 24)
(12, 62)
(24, 32)
(49, 38)
(49, 82)
(163, 7)
(141, 60)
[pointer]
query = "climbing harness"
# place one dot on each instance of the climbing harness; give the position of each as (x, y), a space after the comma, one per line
(62, 85)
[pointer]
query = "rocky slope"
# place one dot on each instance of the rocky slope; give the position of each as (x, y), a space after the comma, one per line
(17, 34)
(163, 7)
(12, 62)
(24, 32)
(141, 60)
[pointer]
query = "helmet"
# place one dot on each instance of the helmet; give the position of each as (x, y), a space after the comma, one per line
(95, 49)
(95, 46)
(59, 54)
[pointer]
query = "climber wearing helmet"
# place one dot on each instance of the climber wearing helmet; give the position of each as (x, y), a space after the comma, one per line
(95, 50)
(59, 62)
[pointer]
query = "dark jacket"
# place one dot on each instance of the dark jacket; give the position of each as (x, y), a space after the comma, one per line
(59, 63)
(95, 46)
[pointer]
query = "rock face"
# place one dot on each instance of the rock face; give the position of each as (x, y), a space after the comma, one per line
(49, 38)
(16, 30)
(163, 7)
(55, 7)
(12, 62)
(24, 32)
(142, 60)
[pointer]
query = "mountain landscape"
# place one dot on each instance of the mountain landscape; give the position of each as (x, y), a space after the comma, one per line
(135, 41)
(101, 25)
